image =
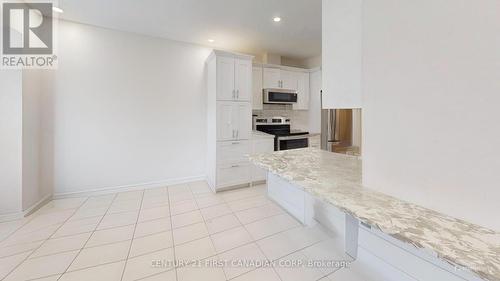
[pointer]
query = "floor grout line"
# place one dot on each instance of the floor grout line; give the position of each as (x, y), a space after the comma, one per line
(254, 241)
(210, 237)
(133, 234)
(27, 257)
(172, 233)
(97, 225)
(260, 249)
(33, 216)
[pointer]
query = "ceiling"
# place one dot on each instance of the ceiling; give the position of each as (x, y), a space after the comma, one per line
(239, 25)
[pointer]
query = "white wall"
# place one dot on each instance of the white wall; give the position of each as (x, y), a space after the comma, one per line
(313, 62)
(126, 110)
(341, 53)
(33, 92)
(431, 108)
(10, 141)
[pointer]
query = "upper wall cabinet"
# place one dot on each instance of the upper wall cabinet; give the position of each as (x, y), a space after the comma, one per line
(234, 79)
(289, 79)
(257, 88)
(342, 53)
(272, 78)
(276, 78)
(303, 91)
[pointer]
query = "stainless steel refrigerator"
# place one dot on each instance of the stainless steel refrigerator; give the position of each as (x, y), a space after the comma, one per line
(341, 130)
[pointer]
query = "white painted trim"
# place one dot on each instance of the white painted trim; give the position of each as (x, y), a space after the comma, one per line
(216, 53)
(284, 67)
(11, 217)
(28, 211)
(37, 205)
(131, 187)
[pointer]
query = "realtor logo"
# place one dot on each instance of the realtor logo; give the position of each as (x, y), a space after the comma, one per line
(28, 35)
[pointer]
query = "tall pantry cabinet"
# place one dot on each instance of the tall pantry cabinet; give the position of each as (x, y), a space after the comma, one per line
(229, 119)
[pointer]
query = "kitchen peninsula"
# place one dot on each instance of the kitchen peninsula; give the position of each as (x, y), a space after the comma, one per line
(334, 179)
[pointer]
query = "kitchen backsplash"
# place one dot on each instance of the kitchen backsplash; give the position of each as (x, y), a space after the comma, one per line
(299, 118)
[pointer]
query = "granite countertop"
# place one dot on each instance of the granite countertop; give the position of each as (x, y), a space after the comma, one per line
(261, 135)
(336, 179)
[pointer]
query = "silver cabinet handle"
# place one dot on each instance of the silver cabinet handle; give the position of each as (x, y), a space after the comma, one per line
(237, 133)
(233, 134)
(235, 166)
(236, 142)
(238, 94)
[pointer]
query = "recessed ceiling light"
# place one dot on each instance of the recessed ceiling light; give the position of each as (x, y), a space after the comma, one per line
(276, 19)
(211, 40)
(57, 10)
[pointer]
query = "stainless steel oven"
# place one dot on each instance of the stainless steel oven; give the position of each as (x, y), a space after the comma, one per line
(279, 96)
(292, 142)
(284, 138)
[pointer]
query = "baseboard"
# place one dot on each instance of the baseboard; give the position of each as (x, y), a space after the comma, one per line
(123, 188)
(11, 217)
(37, 205)
(27, 212)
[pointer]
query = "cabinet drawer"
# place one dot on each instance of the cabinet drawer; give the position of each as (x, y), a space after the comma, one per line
(233, 174)
(233, 151)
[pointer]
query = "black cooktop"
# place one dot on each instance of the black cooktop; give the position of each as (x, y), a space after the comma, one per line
(280, 130)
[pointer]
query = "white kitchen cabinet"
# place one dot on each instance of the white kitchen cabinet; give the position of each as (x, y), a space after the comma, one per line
(342, 53)
(272, 78)
(234, 79)
(229, 119)
(279, 79)
(243, 120)
(257, 88)
(225, 121)
(289, 80)
(243, 79)
(225, 78)
(229, 152)
(302, 91)
(233, 122)
(233, 174)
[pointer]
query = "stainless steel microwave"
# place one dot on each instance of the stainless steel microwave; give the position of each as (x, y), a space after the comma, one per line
(280, 96)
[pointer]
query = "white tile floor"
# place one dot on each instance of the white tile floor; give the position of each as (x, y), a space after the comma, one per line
(235, 235)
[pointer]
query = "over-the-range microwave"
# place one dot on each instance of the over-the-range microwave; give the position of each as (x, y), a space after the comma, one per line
(279, 96)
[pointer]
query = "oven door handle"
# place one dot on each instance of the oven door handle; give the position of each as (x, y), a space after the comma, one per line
(293, 137)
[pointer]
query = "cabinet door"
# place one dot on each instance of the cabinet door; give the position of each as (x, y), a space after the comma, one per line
(272, 78)
(243, 79)
(242, 118)
(257, 88)
(225, 121)
(302, 92)
(225, 78)
(289, 80)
